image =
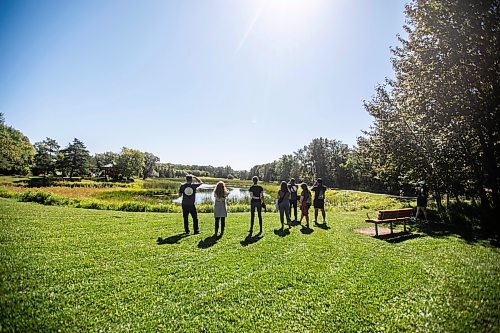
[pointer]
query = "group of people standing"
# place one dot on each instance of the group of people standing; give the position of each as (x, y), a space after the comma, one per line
(287, 200)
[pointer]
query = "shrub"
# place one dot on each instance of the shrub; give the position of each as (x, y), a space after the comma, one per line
(6, 193)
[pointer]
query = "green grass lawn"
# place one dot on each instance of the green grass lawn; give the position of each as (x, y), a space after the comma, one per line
(77, 270)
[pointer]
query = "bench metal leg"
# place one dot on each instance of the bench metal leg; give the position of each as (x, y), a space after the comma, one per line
(391, 227)
(376, 230)
(404, 224)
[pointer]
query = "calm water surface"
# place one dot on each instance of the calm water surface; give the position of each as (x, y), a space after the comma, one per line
(205, 194)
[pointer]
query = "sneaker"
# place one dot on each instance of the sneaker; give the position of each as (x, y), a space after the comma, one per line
(324, 221)
(197, 232)
(314, 221)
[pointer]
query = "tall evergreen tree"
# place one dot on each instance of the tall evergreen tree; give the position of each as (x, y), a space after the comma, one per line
(76, 159)
(46, 156)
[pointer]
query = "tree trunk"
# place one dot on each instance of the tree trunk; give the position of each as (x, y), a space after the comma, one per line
(438, 198)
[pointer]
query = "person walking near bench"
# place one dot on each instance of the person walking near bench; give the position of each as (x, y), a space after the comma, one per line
(220, 207)
(257, 198)
(422, 195)
(188, 192)
(319, 199)
(292, 187)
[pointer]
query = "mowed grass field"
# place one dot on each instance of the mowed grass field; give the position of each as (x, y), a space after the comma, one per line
(71, 270)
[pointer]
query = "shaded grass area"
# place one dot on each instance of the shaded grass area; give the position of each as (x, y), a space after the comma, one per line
(86, 270)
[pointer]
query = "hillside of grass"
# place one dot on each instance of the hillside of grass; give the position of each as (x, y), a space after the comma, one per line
(67, 269)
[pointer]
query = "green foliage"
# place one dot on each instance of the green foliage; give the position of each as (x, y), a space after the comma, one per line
(90, 270)
(75, 159)
(6, 193)
(158, 194)
(439, 119)
(322, 158)
(150, 162)
(46, 156)
(44, 198)
(16, 152)
(130, 162)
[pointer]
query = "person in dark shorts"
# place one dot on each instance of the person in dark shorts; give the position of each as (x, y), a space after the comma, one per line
(319, 199)
(188, 192)
(293, 188)
(257, 198)
(422, 195)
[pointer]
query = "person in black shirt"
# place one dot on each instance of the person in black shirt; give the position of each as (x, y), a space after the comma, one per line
(188, 192)
(292, 187)
(257, 198)
(319, 199)
(422, 195)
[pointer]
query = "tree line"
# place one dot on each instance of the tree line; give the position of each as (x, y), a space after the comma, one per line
(48, 158)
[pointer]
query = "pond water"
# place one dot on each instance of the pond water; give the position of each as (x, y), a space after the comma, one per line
(205, 194)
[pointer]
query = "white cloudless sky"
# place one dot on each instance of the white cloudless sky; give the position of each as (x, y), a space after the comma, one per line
(220, 82)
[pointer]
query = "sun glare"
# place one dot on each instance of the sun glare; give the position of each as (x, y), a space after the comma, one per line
(293, 14)
(286, 19)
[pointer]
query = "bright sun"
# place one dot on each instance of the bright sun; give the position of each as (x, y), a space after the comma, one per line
(285, 18)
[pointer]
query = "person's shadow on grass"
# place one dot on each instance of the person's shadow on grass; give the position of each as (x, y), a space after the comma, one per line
(208, 242)
(251, 239)
(306, 230)
(323, 226)
(282, 232)
(172, 239)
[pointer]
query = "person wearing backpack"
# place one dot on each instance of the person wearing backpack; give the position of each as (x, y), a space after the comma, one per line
(319, 199)
(293, 188)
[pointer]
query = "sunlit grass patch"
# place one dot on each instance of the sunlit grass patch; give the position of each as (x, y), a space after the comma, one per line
(85, 270)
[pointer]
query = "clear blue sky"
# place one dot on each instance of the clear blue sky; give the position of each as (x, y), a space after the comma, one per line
(196, 82)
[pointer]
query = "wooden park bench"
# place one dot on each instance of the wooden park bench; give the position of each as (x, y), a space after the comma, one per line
(390, 216)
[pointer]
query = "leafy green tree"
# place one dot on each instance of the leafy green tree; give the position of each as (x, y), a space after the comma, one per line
(46, 156)
(102, 159)
(75, 159)
(439, 118)
(130, 162)
(16, 152)
(150, 162)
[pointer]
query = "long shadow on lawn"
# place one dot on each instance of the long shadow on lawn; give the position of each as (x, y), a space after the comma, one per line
(251, 239)
(468, 232)
(323, 226)
(306, 231)
(282, 232)
(467, 221)
(399, 237)
(172, 239)
(208, 242)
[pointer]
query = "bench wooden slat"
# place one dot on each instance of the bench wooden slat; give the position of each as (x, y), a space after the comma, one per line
(391, 215)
